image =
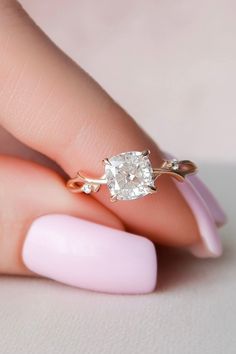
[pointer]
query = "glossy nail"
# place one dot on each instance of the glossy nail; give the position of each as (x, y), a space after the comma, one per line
(210, 244)
(90, 256)
(212, 204)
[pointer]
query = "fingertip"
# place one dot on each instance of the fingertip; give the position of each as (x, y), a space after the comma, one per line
(91, 256)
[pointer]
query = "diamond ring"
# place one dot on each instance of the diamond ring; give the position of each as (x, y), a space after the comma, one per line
(130, 175)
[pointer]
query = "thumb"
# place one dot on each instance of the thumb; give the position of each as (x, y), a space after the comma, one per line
(43, 231)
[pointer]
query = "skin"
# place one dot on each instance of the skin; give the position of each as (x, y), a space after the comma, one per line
(48, 103)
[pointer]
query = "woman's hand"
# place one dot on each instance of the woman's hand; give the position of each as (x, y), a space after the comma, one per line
(50, 104)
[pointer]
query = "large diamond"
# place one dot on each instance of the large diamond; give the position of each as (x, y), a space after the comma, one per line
(129, 175)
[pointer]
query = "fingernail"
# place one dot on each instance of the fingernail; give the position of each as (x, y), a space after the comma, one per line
(210, 243)
(90, 256)
(213, 205)
(211, 202)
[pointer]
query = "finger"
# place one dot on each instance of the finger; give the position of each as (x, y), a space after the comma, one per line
(29, 191)
(52, 105)
(33, 202)
(11, 146)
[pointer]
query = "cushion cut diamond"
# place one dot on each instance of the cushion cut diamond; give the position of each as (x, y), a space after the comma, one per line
(129, 175)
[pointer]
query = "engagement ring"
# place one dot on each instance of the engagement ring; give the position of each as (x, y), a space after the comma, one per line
(130, 175)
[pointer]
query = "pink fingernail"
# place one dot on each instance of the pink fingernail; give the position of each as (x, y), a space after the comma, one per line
(90, 256)
(213, 205)
(210, 243)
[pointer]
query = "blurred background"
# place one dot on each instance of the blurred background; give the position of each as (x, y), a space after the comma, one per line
(171, 65)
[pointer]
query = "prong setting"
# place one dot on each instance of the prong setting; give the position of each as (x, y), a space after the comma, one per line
(153, 189)
(146, 152)
(106, 161)
(130, 175)
(113, 199)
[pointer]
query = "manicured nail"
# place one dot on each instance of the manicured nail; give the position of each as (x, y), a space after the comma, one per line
(210, 243)
(90, 256)
(212, 204)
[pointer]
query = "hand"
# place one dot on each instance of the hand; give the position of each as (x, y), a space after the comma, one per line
(50, 104)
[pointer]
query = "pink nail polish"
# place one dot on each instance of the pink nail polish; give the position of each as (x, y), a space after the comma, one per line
(210, 244)
(212, 204)
(90, 256)
(202, 205)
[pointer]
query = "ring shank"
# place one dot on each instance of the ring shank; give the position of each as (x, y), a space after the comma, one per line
(177, 169)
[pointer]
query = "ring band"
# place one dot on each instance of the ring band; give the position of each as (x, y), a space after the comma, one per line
(130, 175)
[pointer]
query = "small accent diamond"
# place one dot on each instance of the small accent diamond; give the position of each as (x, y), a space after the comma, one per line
(87, 188)
(174, 164)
